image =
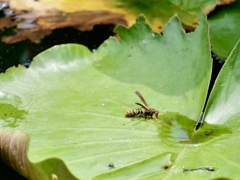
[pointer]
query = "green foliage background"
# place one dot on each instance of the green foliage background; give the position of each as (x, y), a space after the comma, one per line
(68, 107)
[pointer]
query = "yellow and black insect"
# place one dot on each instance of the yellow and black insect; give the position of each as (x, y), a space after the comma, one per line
(147, 113)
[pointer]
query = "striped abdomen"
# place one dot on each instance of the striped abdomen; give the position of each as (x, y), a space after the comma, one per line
(134, 112)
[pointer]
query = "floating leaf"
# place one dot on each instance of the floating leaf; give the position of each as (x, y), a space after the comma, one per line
(223, 104)
(225, 29)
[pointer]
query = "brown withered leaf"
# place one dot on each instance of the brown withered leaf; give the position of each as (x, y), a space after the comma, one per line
(7, 22)
(13, 148)
(36, 19)
(84, 20)
(35, 26)
(32, 34)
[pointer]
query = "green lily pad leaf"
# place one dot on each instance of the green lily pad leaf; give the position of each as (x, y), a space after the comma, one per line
(181, 79)
(222, 155)
(9, 111)
(143, 170)
(176, 131)
(223, 105)
(179, 129)
(225, 29)
(72, 104)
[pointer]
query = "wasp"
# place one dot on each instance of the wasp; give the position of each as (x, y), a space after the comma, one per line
(147, 113)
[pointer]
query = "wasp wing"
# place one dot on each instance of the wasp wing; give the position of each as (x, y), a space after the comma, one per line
(144, 107)
(142, 99)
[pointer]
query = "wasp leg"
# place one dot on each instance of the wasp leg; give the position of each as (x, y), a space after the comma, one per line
(156, 120)
(147, 121)
(138, 116)
(127, 122)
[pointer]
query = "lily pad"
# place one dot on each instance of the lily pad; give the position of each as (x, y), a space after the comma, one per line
(225, 29)
(70, 106)
(223, 104)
